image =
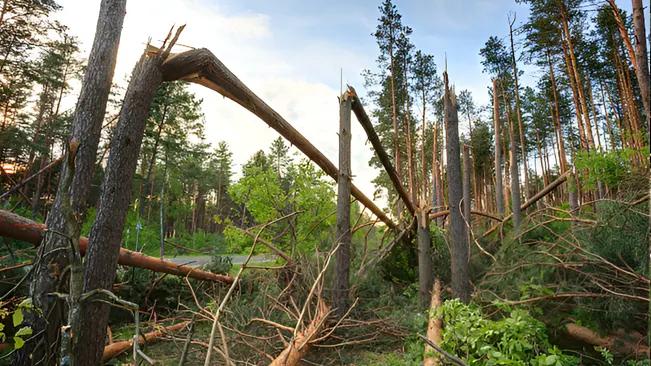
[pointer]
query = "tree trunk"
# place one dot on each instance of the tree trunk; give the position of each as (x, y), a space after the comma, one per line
(152, 162)
(410, 158)
(515, 181)
(608, 124)
(434, 326)
(424, 259)
(575, 96)
(458, 236)
(642, 69)
(343, 234)
(106, 233)
(562, 162)
(466, 194)
(594, 114)
(523, 146)
(622, 138)
(86, 129)
(499, 191)
(396, 144)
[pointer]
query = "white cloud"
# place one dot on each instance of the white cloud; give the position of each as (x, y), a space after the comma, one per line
(243, 43)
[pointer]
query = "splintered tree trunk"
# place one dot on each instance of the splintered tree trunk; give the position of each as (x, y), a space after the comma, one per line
(642, 69)
(466, 193)
(86, 129)
(458, 236)
(106, 233)
(499, 190)
(434, 326)
(342, 263)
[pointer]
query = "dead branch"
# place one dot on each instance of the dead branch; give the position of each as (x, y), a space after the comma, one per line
(25, 181)
(453, 358)
(113, 350)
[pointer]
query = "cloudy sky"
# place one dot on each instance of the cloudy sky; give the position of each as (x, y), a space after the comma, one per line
(291, 52)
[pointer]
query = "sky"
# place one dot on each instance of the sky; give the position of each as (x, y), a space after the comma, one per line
(291, 54)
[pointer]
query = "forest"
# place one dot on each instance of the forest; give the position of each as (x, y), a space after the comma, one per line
(515, 232)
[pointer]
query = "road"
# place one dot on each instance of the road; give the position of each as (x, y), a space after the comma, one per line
(237, 259)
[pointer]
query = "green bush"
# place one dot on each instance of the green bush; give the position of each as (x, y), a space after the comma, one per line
(517, 338)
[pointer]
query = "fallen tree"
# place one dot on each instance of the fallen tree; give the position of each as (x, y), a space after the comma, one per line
(20, 228)
(200, 66)
(115, 349)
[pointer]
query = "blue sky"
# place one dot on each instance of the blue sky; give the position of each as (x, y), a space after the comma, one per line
(290, 53)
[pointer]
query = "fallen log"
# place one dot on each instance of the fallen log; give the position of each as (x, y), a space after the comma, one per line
(621, 342)
(545, 191)
(115, 349)
(20, 228)
(200, 66)
(363, 119)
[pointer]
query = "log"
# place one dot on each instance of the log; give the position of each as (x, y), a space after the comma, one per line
(434, 326)
(20, 228)
(200, 66)
(115, 349)
(617, 342)
(545, 191)
(363, 119)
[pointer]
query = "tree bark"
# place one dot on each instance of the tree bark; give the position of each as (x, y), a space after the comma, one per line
(608, 123)
(466, 194)
(86, 128)
(458, 236)
(424, 259)
(642, 69)
(410, 157)
(515, 180)
(434, 326)
(106, 233)
(343, 234)
(499, 190)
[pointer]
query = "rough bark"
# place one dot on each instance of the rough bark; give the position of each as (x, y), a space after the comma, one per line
(424, 259)
(343, 234)
(106, 233)
(200, 66)
(499, 190)
(86, 127)
(466, 193)
(642, 69)
(458, 236)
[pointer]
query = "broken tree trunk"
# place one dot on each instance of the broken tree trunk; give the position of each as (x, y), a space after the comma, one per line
(363, 119)
(20, 228)
(106, 232)
(458, 236)
(434, 326)
(86, 131)
(343, 234)
(115, 349)
(200, 66)
(499, 191)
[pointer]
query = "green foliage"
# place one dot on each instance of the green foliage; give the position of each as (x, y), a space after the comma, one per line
(515, 339)
(11, 320)
(609, 167)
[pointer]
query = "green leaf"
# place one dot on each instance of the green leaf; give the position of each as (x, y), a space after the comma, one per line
(24, 331)
(18, 343)
(17, 317)
(550, 360)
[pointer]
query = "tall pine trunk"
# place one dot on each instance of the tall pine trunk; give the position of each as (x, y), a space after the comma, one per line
(499, 190)
(343, 234)
(642, 69)
(458, 237)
